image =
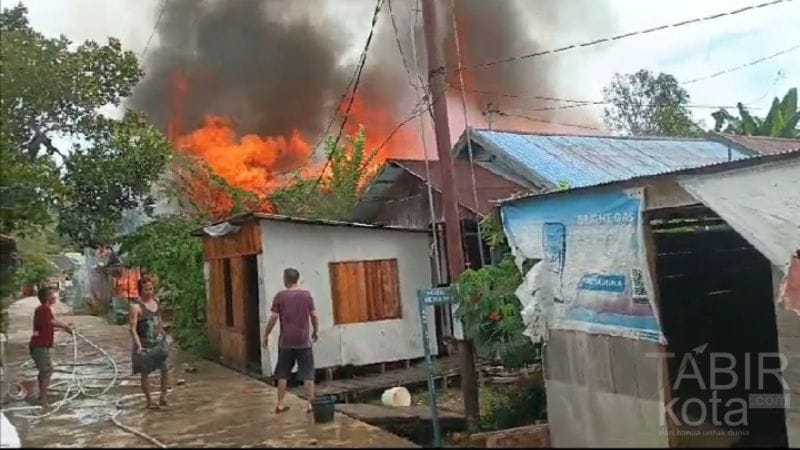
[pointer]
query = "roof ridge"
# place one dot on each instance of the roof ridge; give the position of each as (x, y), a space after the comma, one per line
(770, 138)
(597, 136)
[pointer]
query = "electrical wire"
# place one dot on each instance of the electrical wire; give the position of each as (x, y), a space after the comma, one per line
(573, 103)
(400, 49)
(742, 66)
(467, 128)
(153, 32)
(359, 69)
(533, 119)
(625, 35)
(425, 149)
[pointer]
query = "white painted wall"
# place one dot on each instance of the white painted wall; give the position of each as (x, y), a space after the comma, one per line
(309, 248)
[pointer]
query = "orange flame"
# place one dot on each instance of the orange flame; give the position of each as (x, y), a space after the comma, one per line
(252, 163)
(258, 164)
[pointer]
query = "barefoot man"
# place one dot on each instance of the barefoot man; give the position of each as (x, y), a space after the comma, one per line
(294, 307)
(44, 325)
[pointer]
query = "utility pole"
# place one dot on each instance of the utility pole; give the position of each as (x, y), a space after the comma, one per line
(435, 45)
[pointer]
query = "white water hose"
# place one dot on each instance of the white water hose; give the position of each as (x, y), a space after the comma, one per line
(76, 387)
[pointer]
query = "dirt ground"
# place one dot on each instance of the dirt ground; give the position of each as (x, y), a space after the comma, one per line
(214, 406)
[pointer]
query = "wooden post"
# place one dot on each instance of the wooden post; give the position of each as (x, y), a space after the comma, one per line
(435, 44)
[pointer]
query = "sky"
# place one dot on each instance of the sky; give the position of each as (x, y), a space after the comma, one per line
(687, 52)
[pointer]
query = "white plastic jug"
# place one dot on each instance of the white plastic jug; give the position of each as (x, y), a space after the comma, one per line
(396, 396)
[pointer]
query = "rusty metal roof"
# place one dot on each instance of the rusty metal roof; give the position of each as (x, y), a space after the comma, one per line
(489, 185)
(578, 161)
(761, 145)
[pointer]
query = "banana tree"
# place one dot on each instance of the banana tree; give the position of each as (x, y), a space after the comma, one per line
(781, 120)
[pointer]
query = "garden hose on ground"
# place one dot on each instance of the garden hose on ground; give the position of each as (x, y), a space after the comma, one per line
(75, 387)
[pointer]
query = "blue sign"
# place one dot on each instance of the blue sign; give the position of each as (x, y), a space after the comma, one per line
(436, 296)
(432, 297)
(603, 283)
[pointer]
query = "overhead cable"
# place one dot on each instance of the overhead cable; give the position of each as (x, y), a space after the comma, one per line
(626, 35)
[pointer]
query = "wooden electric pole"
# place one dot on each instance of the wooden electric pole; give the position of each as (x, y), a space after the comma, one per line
(435, 44)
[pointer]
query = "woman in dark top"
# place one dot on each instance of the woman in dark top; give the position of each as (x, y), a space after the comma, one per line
(149, 351)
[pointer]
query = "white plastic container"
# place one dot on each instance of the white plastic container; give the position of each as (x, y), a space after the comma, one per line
(396, 396)
(8, 434)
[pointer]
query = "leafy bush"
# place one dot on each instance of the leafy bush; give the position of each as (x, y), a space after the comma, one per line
(35, 269)
(514, 407)
(492, 314)
(336, 194)
(167, 249)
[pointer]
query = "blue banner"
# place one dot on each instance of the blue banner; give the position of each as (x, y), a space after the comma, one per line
(587, 253)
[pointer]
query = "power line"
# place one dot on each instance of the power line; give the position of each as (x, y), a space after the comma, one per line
(359, 70)
(742, 66)
(153, 32)
(624, 36)
(400, 48)
(573, 102)
(533, 119)
(466, 126)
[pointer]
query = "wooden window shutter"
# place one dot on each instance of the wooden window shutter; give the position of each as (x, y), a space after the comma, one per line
(365, 291)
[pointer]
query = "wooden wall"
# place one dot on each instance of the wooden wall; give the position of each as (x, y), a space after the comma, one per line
(247, 241)
(230, 342)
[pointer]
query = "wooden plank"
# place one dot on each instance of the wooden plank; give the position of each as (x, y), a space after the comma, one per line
(239, 291)
(247, 241)
(358, 283)
(380, 414)
(389, 285)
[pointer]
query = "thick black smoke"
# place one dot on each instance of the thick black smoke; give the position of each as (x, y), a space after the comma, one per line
(273, 70)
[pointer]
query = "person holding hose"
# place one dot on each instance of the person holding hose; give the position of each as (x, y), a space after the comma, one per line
(149, 351)
(44, 325)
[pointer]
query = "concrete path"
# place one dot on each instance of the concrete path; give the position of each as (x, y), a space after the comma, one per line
(214, 407)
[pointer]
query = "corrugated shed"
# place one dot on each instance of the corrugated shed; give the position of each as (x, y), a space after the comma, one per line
(761, 144)
(588, 160)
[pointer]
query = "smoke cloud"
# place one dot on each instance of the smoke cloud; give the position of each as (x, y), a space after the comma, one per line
(275, 66)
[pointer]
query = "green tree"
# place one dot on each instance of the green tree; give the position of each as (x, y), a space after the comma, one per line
(643, 104)
(781, 121)
(51, 89)
(336, 194)
(111, 176)
(492, 316)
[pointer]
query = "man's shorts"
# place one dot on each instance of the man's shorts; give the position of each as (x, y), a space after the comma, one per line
(41, 357)
(304, 358)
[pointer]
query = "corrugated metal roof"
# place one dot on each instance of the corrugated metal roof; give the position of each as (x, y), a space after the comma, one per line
(761, 144)
(588, 160)
(747, 161)
(245, 217)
